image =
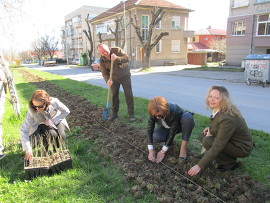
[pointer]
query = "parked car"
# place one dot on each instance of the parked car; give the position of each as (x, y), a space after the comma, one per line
(59, 60)
(49, 62)
(75, 61)
(95, 65)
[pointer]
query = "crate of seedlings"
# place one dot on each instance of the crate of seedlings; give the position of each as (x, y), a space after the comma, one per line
(50, 156)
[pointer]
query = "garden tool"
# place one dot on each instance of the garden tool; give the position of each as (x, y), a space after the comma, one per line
(106, 112)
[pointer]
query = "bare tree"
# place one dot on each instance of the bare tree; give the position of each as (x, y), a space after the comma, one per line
(117, 32)
(218, 44)
(149, 44)
(39, 49)
(88, 34)
(50, 45)
(11, 85)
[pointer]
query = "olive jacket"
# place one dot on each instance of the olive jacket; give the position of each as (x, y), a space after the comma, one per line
(120, 65)
(226, 128)
(173, 121)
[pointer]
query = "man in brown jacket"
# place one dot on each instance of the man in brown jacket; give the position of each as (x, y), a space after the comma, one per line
(120, 76)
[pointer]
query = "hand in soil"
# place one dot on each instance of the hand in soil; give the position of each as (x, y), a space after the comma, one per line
(194, 170)
(160, 156)
(151, 156)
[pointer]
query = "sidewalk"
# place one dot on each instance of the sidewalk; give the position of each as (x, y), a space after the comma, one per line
(236, 77)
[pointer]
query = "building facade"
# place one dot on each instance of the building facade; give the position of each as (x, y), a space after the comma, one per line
(74, 41)
(208, 45)
(248, 29)
(171, 49)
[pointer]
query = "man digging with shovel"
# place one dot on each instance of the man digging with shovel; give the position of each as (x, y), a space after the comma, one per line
(120, 75)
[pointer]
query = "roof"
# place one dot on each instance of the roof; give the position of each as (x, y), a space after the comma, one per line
(196, 46)
(139, 3)
(200, 48)
(210, 31)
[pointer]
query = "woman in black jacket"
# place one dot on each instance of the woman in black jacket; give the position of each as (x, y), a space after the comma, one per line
(171, 120)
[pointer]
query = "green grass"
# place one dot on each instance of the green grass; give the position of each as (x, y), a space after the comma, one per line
(206, 68)
(93, 178)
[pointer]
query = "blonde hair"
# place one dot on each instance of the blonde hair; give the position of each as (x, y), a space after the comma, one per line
(158, 105)
(226, 106)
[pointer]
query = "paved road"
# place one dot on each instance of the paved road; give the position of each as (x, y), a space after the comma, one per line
(187, 88)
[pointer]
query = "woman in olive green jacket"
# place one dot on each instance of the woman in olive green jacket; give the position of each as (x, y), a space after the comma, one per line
(228, 136)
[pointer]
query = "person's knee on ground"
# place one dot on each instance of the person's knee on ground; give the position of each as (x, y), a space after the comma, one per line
(160, 134)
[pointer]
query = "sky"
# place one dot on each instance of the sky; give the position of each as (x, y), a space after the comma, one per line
(36, 18)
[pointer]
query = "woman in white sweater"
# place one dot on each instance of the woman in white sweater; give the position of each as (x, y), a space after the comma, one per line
(45, 117)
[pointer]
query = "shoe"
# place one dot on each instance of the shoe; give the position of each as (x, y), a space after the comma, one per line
(112, 117)
(230, 166)
(2, 156)
(132, 119)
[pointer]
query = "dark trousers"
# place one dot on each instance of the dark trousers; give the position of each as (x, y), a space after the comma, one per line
(187, 124)
(126, 84)
(227, 155)
(46, 136)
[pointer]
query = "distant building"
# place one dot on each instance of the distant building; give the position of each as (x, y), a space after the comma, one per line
(74, 41)
(248, 29)
(171, 49)
(200, 49)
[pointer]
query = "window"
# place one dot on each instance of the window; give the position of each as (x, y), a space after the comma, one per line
(145, 25)
(76, 19)
(240, 3)
(158, 26)
(175, 22)
(263, 25)
(175, 46)
(100, 28)
(239, 29)
(158, 46)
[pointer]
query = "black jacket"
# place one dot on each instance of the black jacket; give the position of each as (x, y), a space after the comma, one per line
(173, 120)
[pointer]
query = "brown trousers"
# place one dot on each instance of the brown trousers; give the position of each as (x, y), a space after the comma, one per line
(126, 84)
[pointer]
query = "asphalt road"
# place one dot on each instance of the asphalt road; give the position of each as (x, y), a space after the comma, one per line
(187, 88)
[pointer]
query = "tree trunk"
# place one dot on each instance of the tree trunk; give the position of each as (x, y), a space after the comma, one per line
(11, 86)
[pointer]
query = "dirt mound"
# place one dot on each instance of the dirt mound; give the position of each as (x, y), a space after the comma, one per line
(168, 180)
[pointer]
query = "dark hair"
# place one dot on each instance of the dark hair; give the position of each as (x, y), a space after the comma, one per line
(158, 105)
(40, 95)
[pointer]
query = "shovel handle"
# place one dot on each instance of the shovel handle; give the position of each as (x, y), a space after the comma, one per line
(109, 87)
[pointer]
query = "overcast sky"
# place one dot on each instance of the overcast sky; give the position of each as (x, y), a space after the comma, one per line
(40, 17)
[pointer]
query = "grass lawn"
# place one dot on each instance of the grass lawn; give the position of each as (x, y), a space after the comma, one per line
(93, 178)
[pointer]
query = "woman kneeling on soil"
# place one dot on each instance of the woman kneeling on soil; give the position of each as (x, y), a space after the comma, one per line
(45, 119)
(171, 120)
(228, 136)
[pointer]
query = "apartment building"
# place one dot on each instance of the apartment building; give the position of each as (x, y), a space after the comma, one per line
(171, 49)
(74, 41)
(248, 29)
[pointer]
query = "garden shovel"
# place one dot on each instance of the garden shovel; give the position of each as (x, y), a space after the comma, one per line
(106, 112)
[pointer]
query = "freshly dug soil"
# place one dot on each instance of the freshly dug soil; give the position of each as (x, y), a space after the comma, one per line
(168, 180)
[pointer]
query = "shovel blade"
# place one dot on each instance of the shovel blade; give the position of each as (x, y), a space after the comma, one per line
(106, 112)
